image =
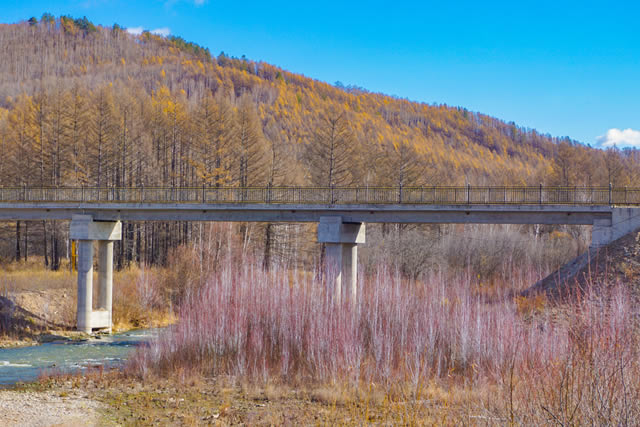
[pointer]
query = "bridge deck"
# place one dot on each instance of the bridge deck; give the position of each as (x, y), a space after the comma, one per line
(390, 213)
(496, 205)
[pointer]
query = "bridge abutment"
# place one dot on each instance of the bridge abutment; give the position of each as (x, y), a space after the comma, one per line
(85, 230)
(623, 221)
(341, 240)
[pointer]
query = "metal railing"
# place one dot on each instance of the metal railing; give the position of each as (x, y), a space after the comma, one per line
(434, 195)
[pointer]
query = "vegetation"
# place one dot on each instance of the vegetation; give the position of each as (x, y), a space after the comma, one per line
(522, 361)
(95, 106)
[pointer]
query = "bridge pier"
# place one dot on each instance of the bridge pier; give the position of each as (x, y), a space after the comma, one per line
(85, 230)
(341, 256)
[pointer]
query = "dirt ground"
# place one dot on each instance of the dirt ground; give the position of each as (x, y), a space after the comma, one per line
(31, 317)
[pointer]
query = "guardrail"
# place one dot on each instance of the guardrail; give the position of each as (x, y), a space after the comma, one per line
(435, 195)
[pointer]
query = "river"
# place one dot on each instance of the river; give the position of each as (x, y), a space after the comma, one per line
(25, 364)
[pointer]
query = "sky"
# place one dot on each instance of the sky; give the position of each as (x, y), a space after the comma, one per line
(566, 68)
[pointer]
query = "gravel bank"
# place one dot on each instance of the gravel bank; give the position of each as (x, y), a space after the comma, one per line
(47, 409)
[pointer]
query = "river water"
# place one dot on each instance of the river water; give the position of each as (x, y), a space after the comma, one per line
(27, 363)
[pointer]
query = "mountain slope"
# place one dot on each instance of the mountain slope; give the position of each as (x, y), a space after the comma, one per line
(145, 95)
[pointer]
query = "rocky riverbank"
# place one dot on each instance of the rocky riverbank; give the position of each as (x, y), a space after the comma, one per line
(48, 408)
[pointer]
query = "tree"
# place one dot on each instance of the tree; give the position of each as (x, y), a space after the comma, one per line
(614, 166)
(101, 136)
(402, 165)
(214, 123)
(564, 166)
(332, 150)
(249, 150)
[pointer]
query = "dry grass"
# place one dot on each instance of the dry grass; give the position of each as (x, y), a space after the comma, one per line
(194, 400)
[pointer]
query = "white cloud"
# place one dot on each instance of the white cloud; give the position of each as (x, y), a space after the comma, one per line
(164, 31)
(136, 31)
(620, 138)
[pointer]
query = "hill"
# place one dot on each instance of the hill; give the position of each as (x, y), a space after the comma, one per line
(85, 104)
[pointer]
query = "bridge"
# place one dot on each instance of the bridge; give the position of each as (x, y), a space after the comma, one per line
(341, 214)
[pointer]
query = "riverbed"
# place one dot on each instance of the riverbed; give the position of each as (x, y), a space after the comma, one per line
(27, 363)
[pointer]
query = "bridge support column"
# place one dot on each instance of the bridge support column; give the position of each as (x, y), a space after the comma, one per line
(85, 286)
(86, 231)
(341, 264)
(105, 278)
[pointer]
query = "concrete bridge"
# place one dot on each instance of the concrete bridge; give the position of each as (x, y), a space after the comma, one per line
(341, 214)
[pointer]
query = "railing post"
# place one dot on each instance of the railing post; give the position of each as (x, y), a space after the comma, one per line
(82, 193)
(400, 194)
(540, 193)
(610, 195)
(625, 194)
(468, 193)
(203, 198)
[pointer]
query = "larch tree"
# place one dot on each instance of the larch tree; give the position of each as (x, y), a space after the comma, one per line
(215, 129)
(102, 134)
(331, 151)
(248, 147)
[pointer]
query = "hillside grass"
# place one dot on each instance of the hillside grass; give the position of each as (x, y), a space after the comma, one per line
(37, 301)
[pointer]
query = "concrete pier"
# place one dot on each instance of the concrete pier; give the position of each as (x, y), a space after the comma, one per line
(85, 230)
(85, 285)
(105, 278)
(341, 240)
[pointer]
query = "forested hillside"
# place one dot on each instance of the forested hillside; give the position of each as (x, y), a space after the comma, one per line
(89, 105)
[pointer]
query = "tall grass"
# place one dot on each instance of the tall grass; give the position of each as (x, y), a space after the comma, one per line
(247, 322)
(571, 364)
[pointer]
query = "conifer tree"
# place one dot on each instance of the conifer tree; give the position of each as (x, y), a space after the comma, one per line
(331, 151)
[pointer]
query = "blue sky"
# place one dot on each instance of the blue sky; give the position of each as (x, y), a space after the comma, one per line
(567, 68)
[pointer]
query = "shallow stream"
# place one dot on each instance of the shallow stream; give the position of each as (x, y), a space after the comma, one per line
(27, 363)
